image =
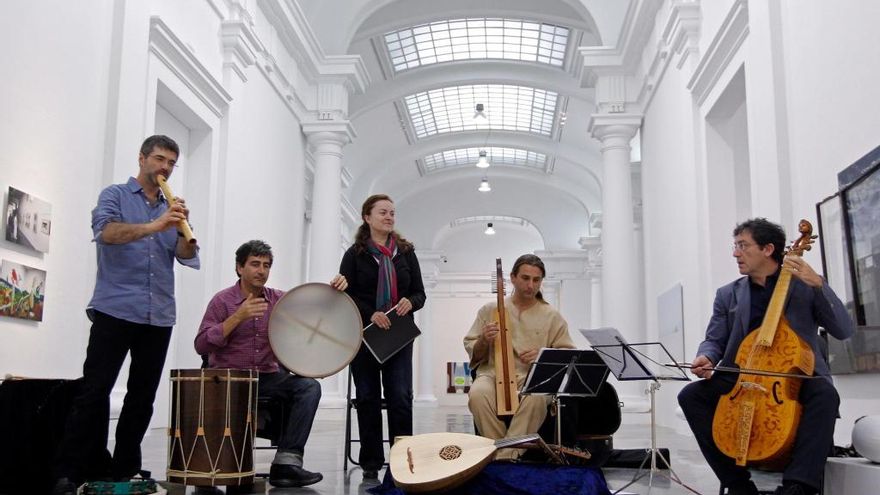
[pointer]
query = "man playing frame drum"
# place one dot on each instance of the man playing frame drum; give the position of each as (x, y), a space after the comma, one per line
(234, 334)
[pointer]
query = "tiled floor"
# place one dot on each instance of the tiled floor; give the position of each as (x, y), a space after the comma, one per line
(325, 451)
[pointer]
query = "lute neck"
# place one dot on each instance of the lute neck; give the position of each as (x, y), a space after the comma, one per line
(510, 442)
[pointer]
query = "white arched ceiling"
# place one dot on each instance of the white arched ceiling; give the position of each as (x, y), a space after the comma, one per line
(338, 23)
(384, 156)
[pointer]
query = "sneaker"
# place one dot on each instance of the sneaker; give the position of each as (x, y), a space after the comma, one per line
(287, 475)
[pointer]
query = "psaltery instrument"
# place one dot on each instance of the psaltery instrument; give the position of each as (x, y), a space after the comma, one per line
(506, 395)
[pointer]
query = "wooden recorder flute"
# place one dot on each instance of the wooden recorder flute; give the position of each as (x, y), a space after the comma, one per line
(183, 225)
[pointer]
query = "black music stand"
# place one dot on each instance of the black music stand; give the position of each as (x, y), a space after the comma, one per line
(634, 362)
(565, 373)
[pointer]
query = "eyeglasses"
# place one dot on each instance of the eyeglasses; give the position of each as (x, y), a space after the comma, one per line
(741, 246)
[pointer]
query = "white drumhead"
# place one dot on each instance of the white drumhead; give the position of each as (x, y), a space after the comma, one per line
(315, 330)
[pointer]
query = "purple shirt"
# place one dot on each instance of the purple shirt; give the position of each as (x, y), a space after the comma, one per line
(247, 346)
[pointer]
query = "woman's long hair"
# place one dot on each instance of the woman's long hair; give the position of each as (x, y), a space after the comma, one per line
(363, 232)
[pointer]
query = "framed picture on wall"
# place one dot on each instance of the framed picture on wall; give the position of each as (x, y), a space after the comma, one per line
(28, 220)
(22, 291)
(850, 231)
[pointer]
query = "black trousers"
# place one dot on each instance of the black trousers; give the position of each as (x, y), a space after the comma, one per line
(83, 453)
(815, 433)
(370, 377)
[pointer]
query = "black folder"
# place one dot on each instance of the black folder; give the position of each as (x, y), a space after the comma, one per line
(386, 343)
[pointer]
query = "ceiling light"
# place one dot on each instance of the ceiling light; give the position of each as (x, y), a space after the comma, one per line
(483, 162)
(489, 230)
(484, 186)
(478, 113)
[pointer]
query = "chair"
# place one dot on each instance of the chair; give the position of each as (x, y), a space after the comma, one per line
(351, 403)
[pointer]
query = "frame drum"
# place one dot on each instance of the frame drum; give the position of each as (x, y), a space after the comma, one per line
(213, 423)
(315, 330)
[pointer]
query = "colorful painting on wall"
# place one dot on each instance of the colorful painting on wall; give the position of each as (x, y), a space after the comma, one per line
(458, 377)
(22, 291)
(28, 220)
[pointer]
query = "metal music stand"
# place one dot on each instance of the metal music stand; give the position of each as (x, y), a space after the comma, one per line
(630, 362)
(565, 373)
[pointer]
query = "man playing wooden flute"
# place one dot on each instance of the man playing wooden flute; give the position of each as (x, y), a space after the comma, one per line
(132, 310)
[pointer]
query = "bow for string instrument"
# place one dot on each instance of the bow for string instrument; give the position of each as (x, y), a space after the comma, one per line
(506, 396)
(756, 422)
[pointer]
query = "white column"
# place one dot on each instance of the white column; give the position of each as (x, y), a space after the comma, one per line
(327, 140)
(429, 263)
(595, 298)
(619, 286)
(593, 246)
(424, 393)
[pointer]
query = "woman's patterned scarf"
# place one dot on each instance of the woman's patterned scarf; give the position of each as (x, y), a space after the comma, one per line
(386, 289)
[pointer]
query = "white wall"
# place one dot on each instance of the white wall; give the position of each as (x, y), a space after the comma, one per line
(810, 110)
(834, 114)
(53, 95)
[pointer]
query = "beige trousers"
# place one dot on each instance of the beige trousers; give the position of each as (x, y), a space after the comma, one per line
(527, 419)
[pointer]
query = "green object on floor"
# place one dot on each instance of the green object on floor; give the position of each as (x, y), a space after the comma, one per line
(134, 487)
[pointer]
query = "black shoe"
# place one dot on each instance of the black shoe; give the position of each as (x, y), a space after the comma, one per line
(795, 488)
(287, 475)
(64, 486)
(742, 488)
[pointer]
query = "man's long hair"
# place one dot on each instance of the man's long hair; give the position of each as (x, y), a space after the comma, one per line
(530, 259)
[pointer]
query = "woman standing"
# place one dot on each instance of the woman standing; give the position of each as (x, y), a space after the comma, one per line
(383, 271)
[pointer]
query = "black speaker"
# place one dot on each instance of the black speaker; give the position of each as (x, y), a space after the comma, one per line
(32, 416)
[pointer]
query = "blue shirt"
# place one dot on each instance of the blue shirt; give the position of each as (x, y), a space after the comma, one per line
(135, 280)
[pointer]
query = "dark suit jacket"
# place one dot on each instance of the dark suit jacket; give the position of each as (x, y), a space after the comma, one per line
(806, 310)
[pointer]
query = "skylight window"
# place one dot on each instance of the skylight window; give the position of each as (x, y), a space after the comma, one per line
(497, 156)
(507, 107)
(477, 38)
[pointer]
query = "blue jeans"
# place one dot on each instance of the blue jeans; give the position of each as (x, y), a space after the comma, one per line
(302, 395)
(82, 452)
(369, 378)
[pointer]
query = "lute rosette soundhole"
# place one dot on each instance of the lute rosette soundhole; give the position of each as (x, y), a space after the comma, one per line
(450, 452)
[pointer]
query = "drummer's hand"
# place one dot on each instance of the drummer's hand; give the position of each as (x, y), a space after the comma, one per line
(490, 331)
(339, 283)
(381, 320)
(252, 307)
(529, 357)
(403, 306)
(700, 365)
